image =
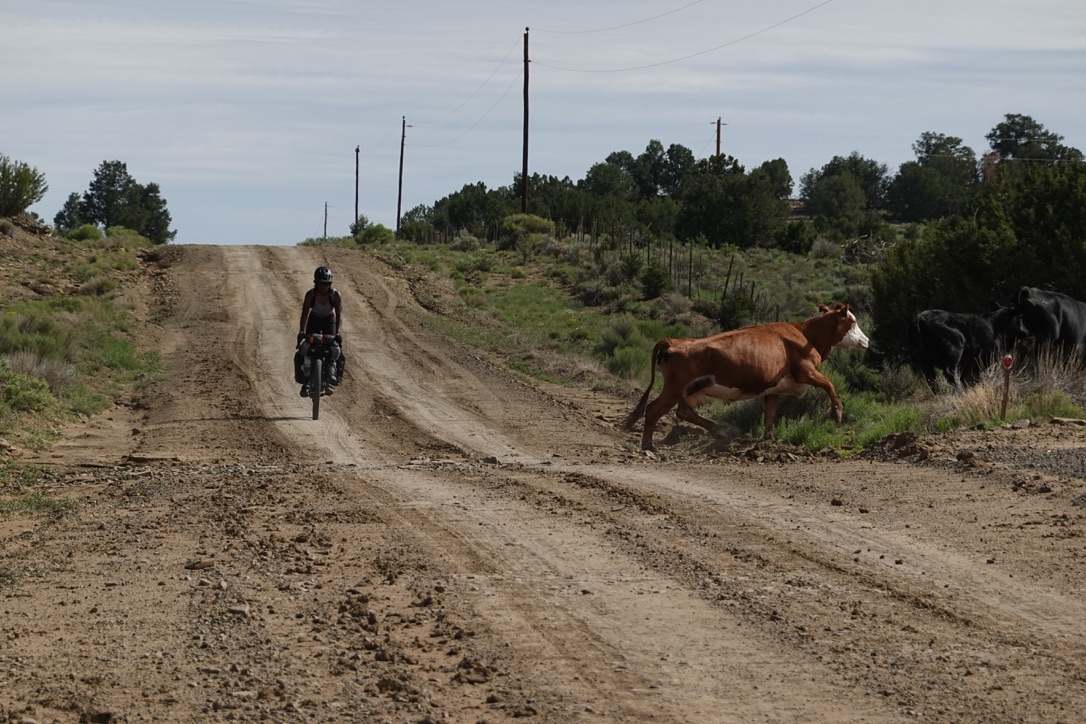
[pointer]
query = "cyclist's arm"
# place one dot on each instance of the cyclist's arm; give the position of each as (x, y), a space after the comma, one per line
(337, 304)
(307, 304)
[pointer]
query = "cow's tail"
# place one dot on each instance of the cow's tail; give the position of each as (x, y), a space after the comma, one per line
(659, 353)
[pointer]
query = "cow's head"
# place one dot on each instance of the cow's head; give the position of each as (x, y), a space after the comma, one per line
(1009, 327)
(846, 328)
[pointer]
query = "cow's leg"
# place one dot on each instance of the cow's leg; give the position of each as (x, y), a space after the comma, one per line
(930, 377)
(952, 350)
(770, 402)
(657, 409)
(953, 369)
(816, 378)
(686, 412)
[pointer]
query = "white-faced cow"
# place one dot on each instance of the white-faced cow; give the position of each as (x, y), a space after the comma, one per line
(1054, 318)
(961, 344)
(764, 360)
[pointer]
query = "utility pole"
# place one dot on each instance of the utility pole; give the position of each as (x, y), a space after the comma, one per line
(399, 193)
(355, 185)
(718, 125)
(325, 237)
(524, 165)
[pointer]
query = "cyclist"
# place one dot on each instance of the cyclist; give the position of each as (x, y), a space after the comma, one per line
(322, 312)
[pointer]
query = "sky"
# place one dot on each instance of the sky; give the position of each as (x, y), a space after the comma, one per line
(248, 113)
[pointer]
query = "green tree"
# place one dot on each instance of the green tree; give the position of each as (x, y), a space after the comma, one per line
(678, 160)
(1020, 138)
(153, 216)
(114, 198)
(610, 179)
(845, 196)
(110, 191)
(658, 215)
(476, 210)
(779, 176)
(70, 215)
(948, 155)
(868, 175)
(722, 203)
(21, 186)
(1045, 209)
(648, 170)
(838, 196)
(559, 199)
(941, 182)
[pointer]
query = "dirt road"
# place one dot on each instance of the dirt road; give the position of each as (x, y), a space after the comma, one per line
(448, 543)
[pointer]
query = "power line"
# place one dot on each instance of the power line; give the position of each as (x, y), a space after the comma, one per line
(619, 27)
(454, 110)
(480, 120)
(692, 55)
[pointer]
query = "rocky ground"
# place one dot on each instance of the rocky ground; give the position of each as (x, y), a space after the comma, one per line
(450, 543)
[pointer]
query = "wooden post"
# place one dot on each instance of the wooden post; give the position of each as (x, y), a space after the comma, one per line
(524, 164)
(1007, 362)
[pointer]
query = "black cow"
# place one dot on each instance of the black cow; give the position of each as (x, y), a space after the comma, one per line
(1053, 318)
(961, 344)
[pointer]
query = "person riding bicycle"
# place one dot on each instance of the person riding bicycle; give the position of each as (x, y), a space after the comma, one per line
(322, 312)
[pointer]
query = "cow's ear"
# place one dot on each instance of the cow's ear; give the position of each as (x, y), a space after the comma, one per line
(822, 308)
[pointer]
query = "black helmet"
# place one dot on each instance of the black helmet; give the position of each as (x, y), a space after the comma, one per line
(322, 275)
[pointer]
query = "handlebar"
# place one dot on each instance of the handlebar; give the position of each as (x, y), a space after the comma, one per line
(321, 339)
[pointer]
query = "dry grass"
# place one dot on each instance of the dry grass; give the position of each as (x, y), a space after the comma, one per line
(58, 375)
(1046, 382)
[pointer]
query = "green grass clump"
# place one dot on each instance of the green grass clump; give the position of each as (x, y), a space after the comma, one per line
(21, 495)
(35, 503)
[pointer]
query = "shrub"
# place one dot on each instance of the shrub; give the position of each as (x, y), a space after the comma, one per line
(655, 281)
(22, 393)
(822, 248)
(626, 362)
(473, 297)
(622, 330)
(21, 186)
(86, 232)
(896, 383)
(516, 225)
(850, 365)
(98, 286)
(375, 234)
(733, 312)
(1046, 405)
(55, 373)
(464, 242)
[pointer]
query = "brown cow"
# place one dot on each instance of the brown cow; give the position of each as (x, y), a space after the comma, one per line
(764, 360)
